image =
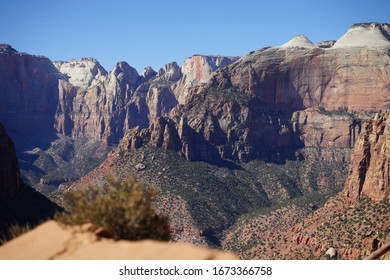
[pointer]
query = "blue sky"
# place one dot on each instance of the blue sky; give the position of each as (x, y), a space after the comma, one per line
(154, 33)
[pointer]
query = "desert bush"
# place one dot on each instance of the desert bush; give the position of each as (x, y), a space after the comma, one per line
(14, 231)
(124, 208)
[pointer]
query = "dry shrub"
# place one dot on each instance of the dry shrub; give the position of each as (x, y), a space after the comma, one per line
(14, 231)
(124, 209)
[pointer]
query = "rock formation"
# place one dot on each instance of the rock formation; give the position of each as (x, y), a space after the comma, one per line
(197, 71)
(245, 108)
(165, 133)
(9, 167)
(147, 73)
(104, 107)
(52, 240)
(81, 73)
(370, 35)
(298, 101)
(369, 175)
(249, 109)
(264, 105)
(28, 92)
(356, 220)
(299, 41)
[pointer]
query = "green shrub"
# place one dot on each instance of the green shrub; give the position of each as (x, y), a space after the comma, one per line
(124, 209)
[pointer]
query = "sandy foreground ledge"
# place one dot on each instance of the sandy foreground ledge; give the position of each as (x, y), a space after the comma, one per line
(54, 241)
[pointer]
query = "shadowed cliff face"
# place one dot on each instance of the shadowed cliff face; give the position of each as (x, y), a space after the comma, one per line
(19, 204)
(28, 93)
(9, 168)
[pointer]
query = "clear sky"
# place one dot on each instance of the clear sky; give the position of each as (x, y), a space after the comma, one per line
(155, 32)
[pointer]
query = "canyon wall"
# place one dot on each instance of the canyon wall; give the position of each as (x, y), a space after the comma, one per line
(369, 174)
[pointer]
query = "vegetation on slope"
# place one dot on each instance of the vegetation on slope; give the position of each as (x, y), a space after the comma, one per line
(217, 196)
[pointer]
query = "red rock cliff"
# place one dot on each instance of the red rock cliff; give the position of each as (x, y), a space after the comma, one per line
(370, 164)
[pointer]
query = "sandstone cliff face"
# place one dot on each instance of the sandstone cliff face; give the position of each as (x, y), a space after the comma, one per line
(328, 135)
(369, 175)
(104, 107)
(117, 102)
(298, 100)
(28, 92)
(251, 108)
(197, 71)
(165, 133)
(295, 101)
(98, 112)
(9, 167)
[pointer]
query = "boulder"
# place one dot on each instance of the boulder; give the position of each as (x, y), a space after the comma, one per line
(331, 253)
(140, 166)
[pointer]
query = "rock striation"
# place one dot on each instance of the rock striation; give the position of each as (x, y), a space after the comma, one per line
(369, 175)
(9, 167)
(52, 240)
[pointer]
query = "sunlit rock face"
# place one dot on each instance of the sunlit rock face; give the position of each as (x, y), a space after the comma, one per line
(81, 73)
(369, 175)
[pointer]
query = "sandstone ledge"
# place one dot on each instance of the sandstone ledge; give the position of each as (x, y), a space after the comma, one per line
(54, 241)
